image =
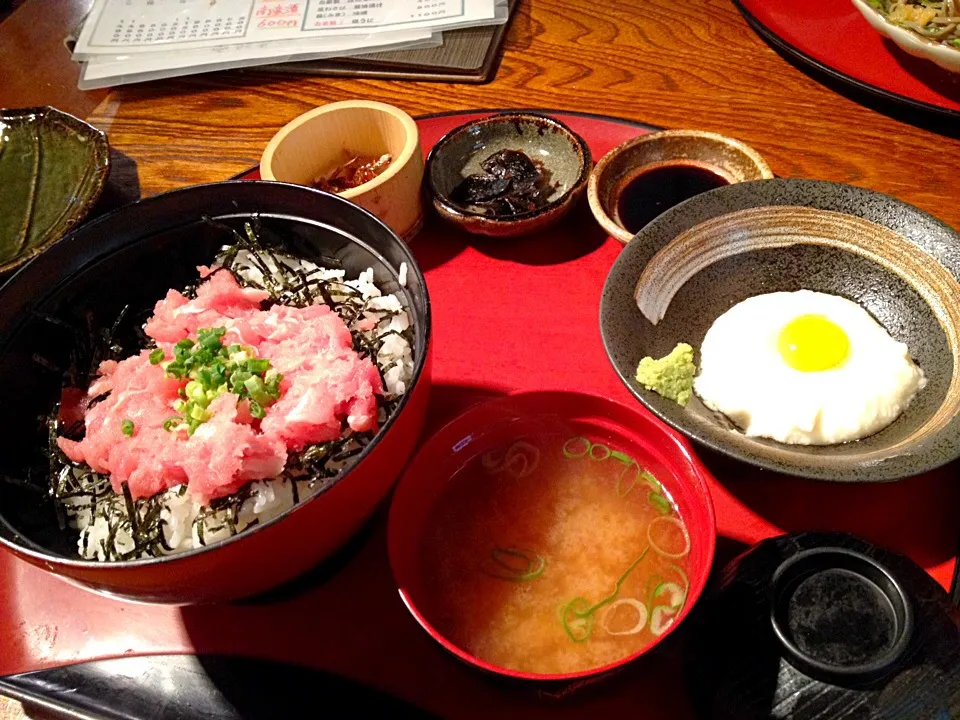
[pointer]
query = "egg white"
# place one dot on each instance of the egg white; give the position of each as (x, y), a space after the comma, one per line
(743, 375)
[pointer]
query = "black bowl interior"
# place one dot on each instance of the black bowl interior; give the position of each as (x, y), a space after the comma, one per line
(840, 615)
(118, 267)
(628, 335)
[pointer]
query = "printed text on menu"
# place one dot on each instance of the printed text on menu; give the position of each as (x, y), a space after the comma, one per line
(139, 23)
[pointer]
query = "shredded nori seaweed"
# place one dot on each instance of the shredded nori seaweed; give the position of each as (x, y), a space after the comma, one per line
(76, 488)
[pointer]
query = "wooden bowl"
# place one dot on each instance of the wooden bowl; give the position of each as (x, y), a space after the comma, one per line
(696, 261)
(325, 138)
(459, 153)
(910, 42)
(730, 159)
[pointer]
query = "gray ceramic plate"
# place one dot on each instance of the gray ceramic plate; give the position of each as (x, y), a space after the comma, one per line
(709, 253)
(52, 170)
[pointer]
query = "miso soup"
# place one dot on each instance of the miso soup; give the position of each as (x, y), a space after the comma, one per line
(554, 554)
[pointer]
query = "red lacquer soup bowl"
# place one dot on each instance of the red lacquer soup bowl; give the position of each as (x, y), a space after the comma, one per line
(131, 258)
(603, 432)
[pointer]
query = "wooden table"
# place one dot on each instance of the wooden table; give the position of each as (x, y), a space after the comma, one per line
(704, 68)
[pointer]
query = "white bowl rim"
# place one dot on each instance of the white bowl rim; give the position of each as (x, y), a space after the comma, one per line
(942, 55)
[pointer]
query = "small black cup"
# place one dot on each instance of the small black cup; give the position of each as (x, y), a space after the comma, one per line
(840, 616)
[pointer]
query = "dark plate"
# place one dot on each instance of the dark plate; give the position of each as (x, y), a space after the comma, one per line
(736, 669)
(896, 261)
(833, 37)
(179, 687)
(52, 170)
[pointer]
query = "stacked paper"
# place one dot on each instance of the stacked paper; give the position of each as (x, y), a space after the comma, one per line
(125, 41)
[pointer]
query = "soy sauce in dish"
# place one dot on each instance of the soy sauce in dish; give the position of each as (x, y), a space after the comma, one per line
(661, 186)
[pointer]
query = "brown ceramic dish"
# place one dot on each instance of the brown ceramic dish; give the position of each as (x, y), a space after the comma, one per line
(708, 154)
(697, 260)
(563, 154)
(52, 170)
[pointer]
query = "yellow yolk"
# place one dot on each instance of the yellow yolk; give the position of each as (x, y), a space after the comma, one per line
(812, 343)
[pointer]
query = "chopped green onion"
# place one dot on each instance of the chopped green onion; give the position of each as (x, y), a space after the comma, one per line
(669, 519)
(662, 505)
(580, 625)
(571, 617)
(254, 386)
(652, 481)
(633, 482)
(676, 594)
(170, 424)
(196, 392)
(212, 369)
(572, 445)
(661, 618)
(210, 337)
(686, 583)
(156, 357)
(218, 374)
(611, 610)
(258, 366)
(603, 448)
(127, 428)
(499, 565)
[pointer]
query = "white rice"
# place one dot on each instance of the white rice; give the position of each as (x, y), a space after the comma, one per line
(185, 524)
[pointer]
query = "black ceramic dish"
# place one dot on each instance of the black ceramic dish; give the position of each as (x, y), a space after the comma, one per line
(839, 615)
(738, 668)
(130, 258)
(700, 258)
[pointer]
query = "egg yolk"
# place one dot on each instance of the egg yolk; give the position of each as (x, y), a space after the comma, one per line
(812, 343)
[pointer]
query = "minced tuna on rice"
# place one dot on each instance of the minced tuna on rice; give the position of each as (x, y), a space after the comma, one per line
(255, 391)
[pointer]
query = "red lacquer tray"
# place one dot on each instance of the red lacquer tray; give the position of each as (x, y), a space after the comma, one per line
(508, 315)
(832, 36)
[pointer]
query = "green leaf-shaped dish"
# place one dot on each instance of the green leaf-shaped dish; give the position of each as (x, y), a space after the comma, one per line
(52, 170)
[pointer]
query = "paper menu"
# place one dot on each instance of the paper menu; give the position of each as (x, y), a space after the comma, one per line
(109, 71)
(126, 27)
